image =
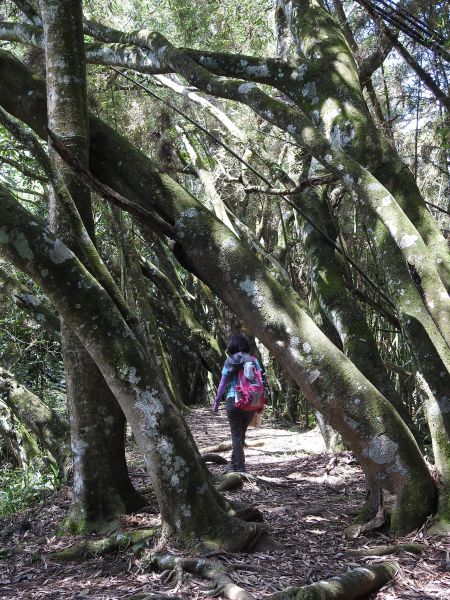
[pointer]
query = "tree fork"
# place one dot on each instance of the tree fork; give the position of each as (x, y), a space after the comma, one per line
(274, 315)
(191, 509)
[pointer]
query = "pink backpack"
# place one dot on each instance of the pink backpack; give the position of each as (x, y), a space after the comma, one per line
(250, 389)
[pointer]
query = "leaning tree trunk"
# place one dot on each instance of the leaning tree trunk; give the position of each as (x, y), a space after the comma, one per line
(275, 317)
(330, 281)
(440, 438)
(340, 109)
(102, 489)
(329, 380)
(190, 507)
(51, 431)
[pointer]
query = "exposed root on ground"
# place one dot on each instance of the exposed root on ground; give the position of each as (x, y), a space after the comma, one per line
(214, 458)
(349, 586)
(112, 543)
(225, 446)
(233, 480)
(245, 512)
(353, 531)
(153, 597)
(229, 481)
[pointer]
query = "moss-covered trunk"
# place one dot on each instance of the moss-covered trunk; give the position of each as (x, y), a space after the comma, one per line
(437, 412)
(337, 105)
(330, 281)
(25, 299)
(329, 380)
(102, 490)
(190, 507)
(51, 431)
(372, 428)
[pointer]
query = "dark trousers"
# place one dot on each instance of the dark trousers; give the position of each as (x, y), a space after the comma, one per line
(239, 421)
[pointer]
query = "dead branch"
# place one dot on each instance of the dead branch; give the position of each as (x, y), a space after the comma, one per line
(384, 550)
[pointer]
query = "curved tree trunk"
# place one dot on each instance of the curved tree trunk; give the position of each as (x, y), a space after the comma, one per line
(340, 109)
(329, 380)
(190, 507)
(48, 427)
(439, 420)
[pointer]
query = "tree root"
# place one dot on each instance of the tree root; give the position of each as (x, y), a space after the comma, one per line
(229, 481)
(384, 550)
(440, 528)
(214, 571)
(245, 512)
(441, 521)
(8, 551)
(209, 457)
(224, 446)
(349, 586)
(117, 541)
(353, 531)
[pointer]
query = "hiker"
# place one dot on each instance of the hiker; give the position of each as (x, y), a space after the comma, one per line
(238, 349)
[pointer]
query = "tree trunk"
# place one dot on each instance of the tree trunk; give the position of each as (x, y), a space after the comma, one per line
(101, 490)
(330, 281)
(328, 379)
(437, 415)
(190, 507)
(51, 431)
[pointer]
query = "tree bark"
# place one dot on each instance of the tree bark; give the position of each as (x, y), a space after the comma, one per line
(329, 381)
(102, 489)
(48, 427)
(27, 300)
(190, 507)
(343, 115)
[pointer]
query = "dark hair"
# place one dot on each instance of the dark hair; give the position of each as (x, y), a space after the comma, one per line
(238, 343)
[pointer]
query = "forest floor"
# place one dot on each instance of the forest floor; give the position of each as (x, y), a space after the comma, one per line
(310, 499)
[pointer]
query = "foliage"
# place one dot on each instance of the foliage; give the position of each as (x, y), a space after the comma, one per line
(23, 488)
(30, 352)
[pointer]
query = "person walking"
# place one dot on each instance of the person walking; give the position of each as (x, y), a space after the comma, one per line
(238, 349)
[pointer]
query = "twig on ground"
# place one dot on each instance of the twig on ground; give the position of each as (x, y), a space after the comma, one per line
(384, 550)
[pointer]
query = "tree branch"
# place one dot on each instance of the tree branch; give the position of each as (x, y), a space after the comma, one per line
(441, 96)
(312, 182)
(155, 221)
(23, 169)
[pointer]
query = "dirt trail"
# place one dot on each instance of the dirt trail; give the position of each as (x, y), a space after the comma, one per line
(315, 498)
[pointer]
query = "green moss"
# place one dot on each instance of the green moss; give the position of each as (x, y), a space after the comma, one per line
(417, 502)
